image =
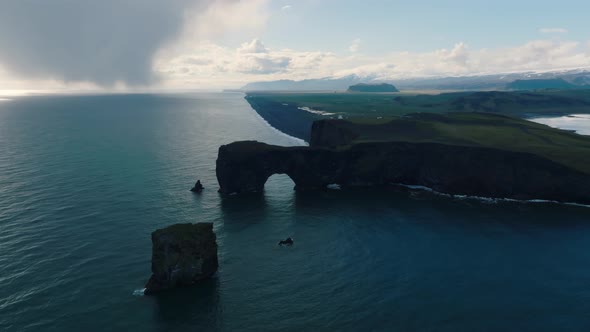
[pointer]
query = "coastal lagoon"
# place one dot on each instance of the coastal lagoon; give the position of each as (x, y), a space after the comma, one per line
(84, 180)
(580, 123)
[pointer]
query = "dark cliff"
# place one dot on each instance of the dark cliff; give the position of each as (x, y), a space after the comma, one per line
(245, 167)
(355, 155)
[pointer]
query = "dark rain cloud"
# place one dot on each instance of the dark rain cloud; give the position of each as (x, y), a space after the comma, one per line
(101, 41)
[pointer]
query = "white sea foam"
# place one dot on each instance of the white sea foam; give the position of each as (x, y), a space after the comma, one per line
(139, 292)
(488, 199)
(311, 110)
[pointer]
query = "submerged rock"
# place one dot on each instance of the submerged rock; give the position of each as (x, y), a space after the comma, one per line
(182, 255)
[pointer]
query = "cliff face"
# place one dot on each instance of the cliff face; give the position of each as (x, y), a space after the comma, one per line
(182, 255)
(460, 153)
(331, 133)
(478, 171)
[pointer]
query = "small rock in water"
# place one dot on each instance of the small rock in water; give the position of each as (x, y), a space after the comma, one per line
(198, 187)
(287, 242)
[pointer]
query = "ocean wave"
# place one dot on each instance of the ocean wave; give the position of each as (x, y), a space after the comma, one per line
(311, 110)
(488, 199)
(139, 292)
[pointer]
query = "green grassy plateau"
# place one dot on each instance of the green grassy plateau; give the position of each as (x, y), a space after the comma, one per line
(515, 103)
(476, 129)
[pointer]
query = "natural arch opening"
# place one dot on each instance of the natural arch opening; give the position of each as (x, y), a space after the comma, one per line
(278, 190)
(277, 183)
(279, 198)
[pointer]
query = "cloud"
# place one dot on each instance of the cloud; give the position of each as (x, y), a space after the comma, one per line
(219, 66)
(112, 43)
(255, 46)
(458, 55)
(553, 30)
(537, 55)
(355, 45)
(261, 64)
(213, 65)
(224, 17)
(107, 42)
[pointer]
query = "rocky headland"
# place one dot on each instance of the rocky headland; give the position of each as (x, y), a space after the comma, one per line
(460, 154)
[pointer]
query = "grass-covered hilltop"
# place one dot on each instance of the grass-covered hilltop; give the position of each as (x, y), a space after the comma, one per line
(461, 129)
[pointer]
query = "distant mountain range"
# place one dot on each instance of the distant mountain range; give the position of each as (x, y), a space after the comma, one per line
(325, 84)
(548, 80)
(538, 84)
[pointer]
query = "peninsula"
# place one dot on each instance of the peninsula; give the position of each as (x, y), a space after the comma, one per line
(474, 154)
(294, 113)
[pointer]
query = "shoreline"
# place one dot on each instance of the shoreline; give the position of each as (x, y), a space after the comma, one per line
(483, 199)
(295, 120)
(559, 122)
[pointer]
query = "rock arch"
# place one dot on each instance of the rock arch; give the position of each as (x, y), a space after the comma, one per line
(467, 170)
(246, 166)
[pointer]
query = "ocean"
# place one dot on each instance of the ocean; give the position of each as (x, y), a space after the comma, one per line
(84, 180)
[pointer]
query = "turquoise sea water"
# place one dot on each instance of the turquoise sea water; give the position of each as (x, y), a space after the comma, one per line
(84, 180)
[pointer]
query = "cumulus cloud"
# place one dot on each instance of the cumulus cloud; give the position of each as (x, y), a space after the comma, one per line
(553, 30)
(261, 64)
(105, 42)
(251, 61)
(458, 55)
(255, 46)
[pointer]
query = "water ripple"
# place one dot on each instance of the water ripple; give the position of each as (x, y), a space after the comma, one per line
(84, 181)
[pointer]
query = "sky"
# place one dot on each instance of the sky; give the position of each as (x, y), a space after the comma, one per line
(126, 45)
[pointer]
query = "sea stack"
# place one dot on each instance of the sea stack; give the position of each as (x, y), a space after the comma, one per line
(198, 187)
(182, 255)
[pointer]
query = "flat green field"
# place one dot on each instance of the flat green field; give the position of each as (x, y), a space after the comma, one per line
(521, 103)
(489, 118)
